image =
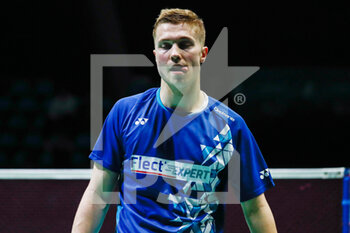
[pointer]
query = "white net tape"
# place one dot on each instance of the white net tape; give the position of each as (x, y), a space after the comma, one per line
(84, 174)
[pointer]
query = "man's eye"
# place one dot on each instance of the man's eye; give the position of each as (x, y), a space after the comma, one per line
(165, 46)
(185, 44)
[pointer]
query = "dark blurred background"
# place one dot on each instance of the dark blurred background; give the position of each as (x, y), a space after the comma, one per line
(298, 103)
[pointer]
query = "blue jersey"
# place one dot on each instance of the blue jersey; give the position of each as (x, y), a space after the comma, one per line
(171, 168)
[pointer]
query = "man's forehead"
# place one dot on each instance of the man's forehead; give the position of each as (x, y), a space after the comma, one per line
(169, 31)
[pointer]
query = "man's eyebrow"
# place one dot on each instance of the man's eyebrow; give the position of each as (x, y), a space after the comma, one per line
(176, 40)
(166, 40)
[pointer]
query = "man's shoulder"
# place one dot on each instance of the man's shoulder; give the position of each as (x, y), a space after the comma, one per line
(128, 104)
(133, 100)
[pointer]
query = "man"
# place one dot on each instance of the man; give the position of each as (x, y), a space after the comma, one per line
(171, 146)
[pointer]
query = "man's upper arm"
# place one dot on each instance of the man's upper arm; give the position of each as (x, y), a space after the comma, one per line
(102, 180)
(254, 204)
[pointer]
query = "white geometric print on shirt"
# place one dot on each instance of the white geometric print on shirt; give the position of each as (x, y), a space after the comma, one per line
(216, 158)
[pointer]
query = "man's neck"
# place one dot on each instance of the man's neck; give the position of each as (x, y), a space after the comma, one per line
(184, 101)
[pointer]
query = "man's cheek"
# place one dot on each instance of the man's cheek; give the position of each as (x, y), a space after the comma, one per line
(162, 63)
(162, 57)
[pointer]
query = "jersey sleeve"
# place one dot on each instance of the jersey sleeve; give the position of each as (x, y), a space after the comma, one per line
(108, 150)
(255, 176)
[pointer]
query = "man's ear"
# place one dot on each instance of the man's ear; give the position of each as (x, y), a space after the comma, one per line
(155, 54)
(204, 54)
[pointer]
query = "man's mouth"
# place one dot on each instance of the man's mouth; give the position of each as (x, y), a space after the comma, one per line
(179, 69)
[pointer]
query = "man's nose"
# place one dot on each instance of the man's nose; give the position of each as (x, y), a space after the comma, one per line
(175, 58)
(175, 54)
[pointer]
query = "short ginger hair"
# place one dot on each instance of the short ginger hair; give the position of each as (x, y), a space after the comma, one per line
(178, 16)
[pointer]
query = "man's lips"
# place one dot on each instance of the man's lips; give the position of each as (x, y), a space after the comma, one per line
(179, 68)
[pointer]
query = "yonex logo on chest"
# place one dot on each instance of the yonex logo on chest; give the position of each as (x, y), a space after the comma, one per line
(141, 121)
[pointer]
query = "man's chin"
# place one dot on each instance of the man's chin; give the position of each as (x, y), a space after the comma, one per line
(179, 79)
(177, 82)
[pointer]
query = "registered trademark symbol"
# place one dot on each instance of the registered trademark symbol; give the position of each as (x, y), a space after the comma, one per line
(239, 98)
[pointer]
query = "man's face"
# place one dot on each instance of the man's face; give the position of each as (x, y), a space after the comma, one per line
(179, 54)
